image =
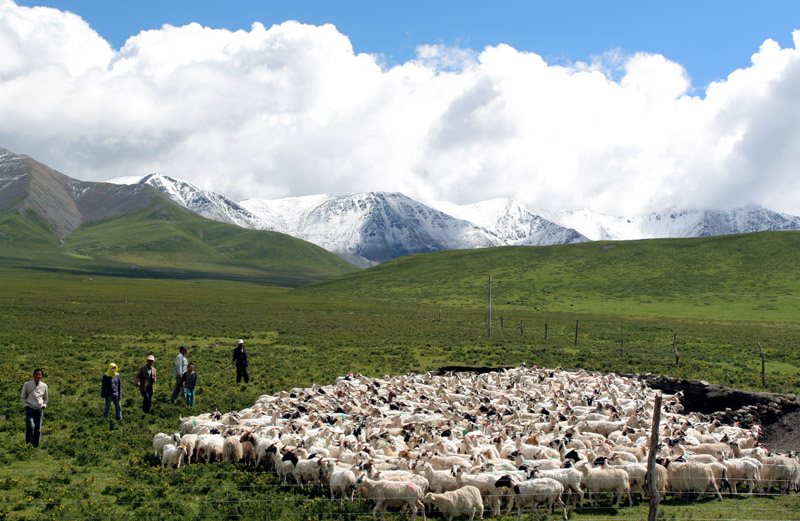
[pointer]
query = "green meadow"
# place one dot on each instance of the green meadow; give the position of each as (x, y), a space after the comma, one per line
(600, 306)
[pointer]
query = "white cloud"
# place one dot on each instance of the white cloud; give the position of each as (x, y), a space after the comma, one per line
(292, 110)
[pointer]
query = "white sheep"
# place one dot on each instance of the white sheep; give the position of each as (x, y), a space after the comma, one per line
(172, 456)
(452, 503)
(161, 439)
(691, 476)
(392, 494)
(232, 451)
(341, 480)
(485, 482)
(533, 492)
(190, 442)
(570, 479)
(743, 470)
(209, 447)
(778, 472)
(611, 480)
(439, 480)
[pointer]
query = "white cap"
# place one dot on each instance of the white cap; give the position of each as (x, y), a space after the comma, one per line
(241, 341)
(151, 357)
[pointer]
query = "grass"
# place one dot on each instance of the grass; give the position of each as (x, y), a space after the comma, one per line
(413, 314)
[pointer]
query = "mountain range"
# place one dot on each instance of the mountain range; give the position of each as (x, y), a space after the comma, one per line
(367, 228)
(51, 222)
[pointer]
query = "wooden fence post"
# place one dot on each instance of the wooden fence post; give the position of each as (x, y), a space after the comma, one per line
(545, 330)
(576, 332)
(651, 460)
(674, 347)
(621, 341)
(763, 363)
(522, 327)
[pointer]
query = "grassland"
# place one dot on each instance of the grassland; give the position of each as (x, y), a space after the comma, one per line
(413, 314)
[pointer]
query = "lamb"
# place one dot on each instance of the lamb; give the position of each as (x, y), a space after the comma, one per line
(463, 501)
(392, 493)
(532, 492)
(172, 456)
(161, 439)
(690, 476)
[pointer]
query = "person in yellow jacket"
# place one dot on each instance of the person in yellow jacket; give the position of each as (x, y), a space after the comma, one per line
(112, 391)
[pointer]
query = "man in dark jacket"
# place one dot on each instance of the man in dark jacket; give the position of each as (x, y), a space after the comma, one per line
(145, 378)
(240, 360)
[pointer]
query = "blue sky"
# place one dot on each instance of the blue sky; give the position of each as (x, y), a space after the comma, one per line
(709, 38)
(619, 107)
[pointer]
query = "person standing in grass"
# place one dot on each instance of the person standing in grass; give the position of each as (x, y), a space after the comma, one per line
(240, 360)
(145, 378)
(181, 364)
(189, 383)
(34, 399)
(112, 391)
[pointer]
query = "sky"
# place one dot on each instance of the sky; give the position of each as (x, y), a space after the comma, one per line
(620, 107)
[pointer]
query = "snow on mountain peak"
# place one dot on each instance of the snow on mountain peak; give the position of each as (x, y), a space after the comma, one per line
(370, 227)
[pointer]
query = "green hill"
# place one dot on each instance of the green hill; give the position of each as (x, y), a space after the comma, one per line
(745, 277)
(180, 244)
(51, 222)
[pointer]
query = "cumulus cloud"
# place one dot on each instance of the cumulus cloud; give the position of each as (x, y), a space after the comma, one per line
(292, 110)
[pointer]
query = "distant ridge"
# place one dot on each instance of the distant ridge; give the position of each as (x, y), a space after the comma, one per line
(371, 227)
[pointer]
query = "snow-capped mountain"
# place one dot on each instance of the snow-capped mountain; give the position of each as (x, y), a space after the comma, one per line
(371, 227)
(202, 202)
(512, 222)
(673, 223)
(378, 226)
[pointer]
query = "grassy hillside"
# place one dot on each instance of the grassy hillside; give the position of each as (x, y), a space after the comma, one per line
(737, 277)
(413, 314)
(166, 241)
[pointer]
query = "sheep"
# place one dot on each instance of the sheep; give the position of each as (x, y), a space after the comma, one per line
(341, 480)
(743, 470)
(232, 450)
(452, 503)
(483, 482)
(392, 493)
(190, 442)
(570, 479)
(172, 455)
(597, 480)
(532, 492)
(690, 476)
(306, 471)
(778, 472)
(248, 441)
(161, 439)
(439, 480)
(209, 447)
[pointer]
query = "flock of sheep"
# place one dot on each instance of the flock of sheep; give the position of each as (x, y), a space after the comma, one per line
(463, 440)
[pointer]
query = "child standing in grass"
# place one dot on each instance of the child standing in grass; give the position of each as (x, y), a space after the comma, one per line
(189, 383)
